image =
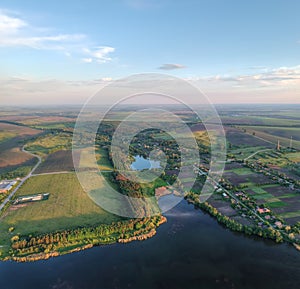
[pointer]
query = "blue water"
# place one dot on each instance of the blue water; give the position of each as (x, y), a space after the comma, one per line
(140, 163)
(190, 251)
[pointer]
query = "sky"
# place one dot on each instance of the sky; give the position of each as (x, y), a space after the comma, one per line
(234, 51)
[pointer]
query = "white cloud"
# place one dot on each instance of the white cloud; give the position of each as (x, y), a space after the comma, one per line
(171, 66)
(282, 77)
(106, 79)
(10, 24)
(57, 42)
(15, 32)
(29, 91)
(87, 60)
(99, 54)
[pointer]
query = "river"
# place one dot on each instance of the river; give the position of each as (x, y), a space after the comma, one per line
(190, 251)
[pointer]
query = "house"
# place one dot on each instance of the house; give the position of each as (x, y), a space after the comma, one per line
(225, 195)
(162, 191)
(6, 186)
(263, 210)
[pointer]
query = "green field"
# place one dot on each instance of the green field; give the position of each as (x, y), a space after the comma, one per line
(260, 120)
(294, 157)
(242, 171)
(277, 204)
(242, 153)
(259, 190)
(67, 207)
(283, 134)
(6, 135)
(262, 196)
(290, 214)
(13, 161)
(102, 159)
(50, 143)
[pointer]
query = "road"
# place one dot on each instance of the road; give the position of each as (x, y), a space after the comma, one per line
(23, 180)
(239, 201)
(52, 173)
(260, 151)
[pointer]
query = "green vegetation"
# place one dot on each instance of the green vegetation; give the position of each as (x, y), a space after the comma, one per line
(62, 242)
(243, 152)
(67, 207)
(18, 171)
(242, 171)
(268, 232)
(6, 135)
(282, 134)
(262, 196)
(103, 159)
(285, 132)
(13, 161)
(70, 213)
(277, 204)
(290, 214)
(59, 161)
(294, 157)
(258, 190)
(50, 143)
(69, 220)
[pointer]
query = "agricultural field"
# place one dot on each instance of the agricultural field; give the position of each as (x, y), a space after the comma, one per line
(283, 132)
(103, 160)
(13, 161)
(68, 206)
(45, 120)
(9, 131)
(56, 162)
(277, 134)
(293, 157)
(237, 139)
(241, 171)
(50, 143)
(246, 179)
(287, 163)
(243, 152)
(272, 158)
(259, 120)
(282, 200)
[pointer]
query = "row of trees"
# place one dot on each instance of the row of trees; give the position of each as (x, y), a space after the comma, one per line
(268, 232)
(102, 234)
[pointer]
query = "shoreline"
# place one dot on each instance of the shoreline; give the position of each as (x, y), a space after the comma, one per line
(144, 235)
(235, 226)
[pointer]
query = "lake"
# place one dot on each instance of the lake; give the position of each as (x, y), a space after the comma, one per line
(190, 251)
(140, 163)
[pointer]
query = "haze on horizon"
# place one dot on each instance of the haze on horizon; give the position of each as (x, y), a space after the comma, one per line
(64, 52)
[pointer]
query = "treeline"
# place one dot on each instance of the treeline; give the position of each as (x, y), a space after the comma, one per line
(268, 233)
(18, 171)
(68, 240)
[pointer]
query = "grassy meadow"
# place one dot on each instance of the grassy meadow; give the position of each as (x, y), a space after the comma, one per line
(68, 206)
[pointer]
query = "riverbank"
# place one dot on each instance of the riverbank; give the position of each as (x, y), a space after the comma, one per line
(267, 233)
(42, 247)
(191, 247)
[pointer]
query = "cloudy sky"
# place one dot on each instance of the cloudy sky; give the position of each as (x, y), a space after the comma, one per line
(65, 51)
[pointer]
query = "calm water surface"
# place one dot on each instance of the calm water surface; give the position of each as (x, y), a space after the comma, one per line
(190, 251)
(140, 163)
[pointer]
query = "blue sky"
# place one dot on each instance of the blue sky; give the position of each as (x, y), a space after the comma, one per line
(236, 47)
